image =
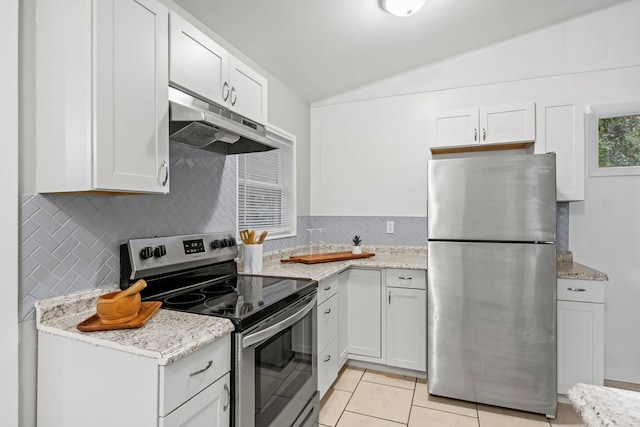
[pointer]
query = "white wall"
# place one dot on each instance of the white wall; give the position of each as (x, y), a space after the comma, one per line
(595, 57)
(9, 214)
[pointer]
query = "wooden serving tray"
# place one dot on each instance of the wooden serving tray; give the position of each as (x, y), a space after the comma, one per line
(326, 257)
(147, 310)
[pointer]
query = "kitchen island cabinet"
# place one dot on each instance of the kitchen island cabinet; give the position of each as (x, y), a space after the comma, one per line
(102, 96)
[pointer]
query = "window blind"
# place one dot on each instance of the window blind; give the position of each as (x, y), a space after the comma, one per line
(266, 188)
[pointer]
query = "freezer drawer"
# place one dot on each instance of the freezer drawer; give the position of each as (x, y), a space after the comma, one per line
(510, 198)
(492, 324)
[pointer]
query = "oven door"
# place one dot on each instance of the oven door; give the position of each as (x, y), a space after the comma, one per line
(276, 376)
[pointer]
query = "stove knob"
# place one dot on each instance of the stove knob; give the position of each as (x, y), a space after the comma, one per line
(160, 251)
(146, 252)
(215, 244)
(232, 241)
(224, 243)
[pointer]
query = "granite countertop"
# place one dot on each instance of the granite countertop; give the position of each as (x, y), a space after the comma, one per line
(167, 336)
(408, 257)
(605, 406)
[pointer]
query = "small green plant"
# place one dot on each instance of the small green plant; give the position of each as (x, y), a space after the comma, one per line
(356, 241)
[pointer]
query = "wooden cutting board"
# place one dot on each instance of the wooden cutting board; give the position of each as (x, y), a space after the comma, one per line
(326, 257)
(147, 310)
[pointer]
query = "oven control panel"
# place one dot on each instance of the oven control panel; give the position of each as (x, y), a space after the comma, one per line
(158, 255)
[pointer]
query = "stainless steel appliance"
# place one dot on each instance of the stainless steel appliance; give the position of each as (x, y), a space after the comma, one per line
(201, 124)
(492, 281)
(274, 361)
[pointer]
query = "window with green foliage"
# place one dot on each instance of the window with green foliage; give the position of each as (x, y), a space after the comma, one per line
(619, 141)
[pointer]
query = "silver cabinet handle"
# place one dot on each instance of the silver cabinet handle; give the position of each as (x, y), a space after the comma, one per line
(202, 370)
(327, 311)
(225, 91)
(328, 288)
(405, 278)
(484, 134)
(475, 134)
(576, 289)
(328, 358)
(389, 297)
(226, 389)
(234, 96)
(166, 172)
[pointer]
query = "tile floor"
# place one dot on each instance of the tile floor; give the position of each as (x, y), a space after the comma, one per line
(369, 398)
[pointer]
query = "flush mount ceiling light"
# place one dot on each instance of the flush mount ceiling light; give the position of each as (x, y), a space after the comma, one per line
(402, 7)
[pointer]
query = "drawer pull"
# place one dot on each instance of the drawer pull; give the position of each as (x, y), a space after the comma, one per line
(327, 311)
(576, 289)
(328, 288)
(226, 405)
(328, 358)
(405, 278)
(202, 370)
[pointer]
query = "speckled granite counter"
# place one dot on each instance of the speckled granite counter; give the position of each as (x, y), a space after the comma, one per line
(409, 257)
(166, 337)
(605, 406)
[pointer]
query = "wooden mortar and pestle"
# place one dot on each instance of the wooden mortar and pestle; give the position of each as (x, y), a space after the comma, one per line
(120, 307)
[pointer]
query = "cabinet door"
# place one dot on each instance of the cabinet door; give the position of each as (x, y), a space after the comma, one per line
(343, 318)
(507, 123)
(406, 328)
(365, 313)
(131, 96)
(198, 64)
(561, 130)
(210, 407)
(580, 344)
(248, 92)
(327, 367)
(327, 322)
(456, 128)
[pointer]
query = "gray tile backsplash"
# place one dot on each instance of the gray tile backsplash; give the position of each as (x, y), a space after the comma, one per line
(71, 242)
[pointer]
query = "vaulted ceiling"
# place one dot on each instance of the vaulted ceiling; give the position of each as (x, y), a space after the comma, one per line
(320, 48)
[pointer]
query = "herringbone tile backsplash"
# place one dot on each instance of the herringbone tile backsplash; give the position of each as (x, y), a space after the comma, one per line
(71, 242)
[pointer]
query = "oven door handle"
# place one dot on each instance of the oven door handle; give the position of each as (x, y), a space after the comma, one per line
(263, 334)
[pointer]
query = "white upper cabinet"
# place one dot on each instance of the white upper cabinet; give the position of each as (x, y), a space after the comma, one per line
(102, 96)
(207, 70)
(498, 124)
(561, 130)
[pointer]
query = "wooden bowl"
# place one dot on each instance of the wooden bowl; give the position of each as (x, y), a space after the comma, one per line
(120, 310)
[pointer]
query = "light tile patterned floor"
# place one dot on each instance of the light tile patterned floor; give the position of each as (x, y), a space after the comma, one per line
(375, 399)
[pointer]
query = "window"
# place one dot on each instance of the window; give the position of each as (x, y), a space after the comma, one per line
(615, 140)
(266, 188)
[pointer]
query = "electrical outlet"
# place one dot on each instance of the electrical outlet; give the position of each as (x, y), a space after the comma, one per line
(389, 227)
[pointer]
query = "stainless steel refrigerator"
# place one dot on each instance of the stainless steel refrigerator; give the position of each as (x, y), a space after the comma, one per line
(492, 281)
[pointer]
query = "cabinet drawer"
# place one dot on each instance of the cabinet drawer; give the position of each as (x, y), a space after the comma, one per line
(581, 290)
(327, 288)
(183, 379)
(327, 367)
(401, 278)
(327, 322)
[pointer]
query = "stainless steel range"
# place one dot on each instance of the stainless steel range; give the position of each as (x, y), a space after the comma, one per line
(274, 360)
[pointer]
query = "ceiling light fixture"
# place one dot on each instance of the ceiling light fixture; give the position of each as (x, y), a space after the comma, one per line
(402, 7)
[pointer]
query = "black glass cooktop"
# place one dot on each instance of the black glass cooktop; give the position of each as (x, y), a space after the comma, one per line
(245, 300)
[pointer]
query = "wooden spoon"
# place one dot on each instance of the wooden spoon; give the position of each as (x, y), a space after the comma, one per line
(263, 235)
(133, 289)
(252, 237)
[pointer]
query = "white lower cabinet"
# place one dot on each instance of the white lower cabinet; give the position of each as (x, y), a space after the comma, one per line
(343, 318)
(208, 408)
(406, 320)
(327, 333)
(365, 313)
(80, 383)
(580, 333)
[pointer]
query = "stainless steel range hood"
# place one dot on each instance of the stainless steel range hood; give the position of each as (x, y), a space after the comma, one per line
(207, 126)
